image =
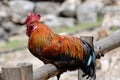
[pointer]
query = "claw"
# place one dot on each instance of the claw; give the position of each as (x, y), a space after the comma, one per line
(102, 54)
(84, 75)
(87, 77)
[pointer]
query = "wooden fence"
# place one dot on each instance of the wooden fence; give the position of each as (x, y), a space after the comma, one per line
(24, 71)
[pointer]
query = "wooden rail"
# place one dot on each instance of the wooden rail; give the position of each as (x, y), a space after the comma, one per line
(107, 44)
(24, 71)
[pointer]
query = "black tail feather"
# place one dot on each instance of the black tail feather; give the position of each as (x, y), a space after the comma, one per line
(88, 66)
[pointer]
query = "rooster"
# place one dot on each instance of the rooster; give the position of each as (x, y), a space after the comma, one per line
(64, 51)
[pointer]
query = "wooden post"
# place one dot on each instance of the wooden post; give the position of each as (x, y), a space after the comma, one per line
(45, 72)
(88, 39)
(11, 73)
(26, 70)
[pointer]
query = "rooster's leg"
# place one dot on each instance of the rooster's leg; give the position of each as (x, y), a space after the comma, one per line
(58, 76)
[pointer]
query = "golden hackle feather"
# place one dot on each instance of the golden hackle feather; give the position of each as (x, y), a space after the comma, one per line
(72, 45)
(64, 45)
(39, 37)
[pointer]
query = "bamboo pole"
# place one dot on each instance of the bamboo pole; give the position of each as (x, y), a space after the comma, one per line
(104, 46)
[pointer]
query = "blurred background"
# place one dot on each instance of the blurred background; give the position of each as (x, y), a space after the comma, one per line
(98, 18)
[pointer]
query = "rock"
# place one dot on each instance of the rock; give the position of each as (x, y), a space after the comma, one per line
(94, 0)
(68, 8)
(10, 28)
(110, 21)
(55, 22)
(47, 8)
(87, 12)
(104, 64)
(3, 34)
(50, 0)
(115, 21)
(4, 12)
(106, 2)
(20, 9)
(110, 2)
(106, 23)
(96, 6)
(118, 2)
(111, 10)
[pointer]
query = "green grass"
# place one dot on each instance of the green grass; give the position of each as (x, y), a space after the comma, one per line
(13, 44)
(114, 28)
(80, 26)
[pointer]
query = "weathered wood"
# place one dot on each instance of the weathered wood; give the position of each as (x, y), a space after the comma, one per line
(11, 73)
(88, 39)
(45, 72)
(105, 45)
(26, 70)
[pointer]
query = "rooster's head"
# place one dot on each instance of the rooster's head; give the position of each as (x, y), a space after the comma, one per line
(32, 17)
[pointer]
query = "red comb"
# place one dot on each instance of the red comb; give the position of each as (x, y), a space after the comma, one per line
(32, 17)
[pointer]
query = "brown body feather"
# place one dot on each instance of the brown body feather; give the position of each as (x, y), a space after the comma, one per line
(43, 42)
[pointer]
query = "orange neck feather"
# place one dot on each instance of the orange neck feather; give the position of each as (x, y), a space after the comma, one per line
(40, 37)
